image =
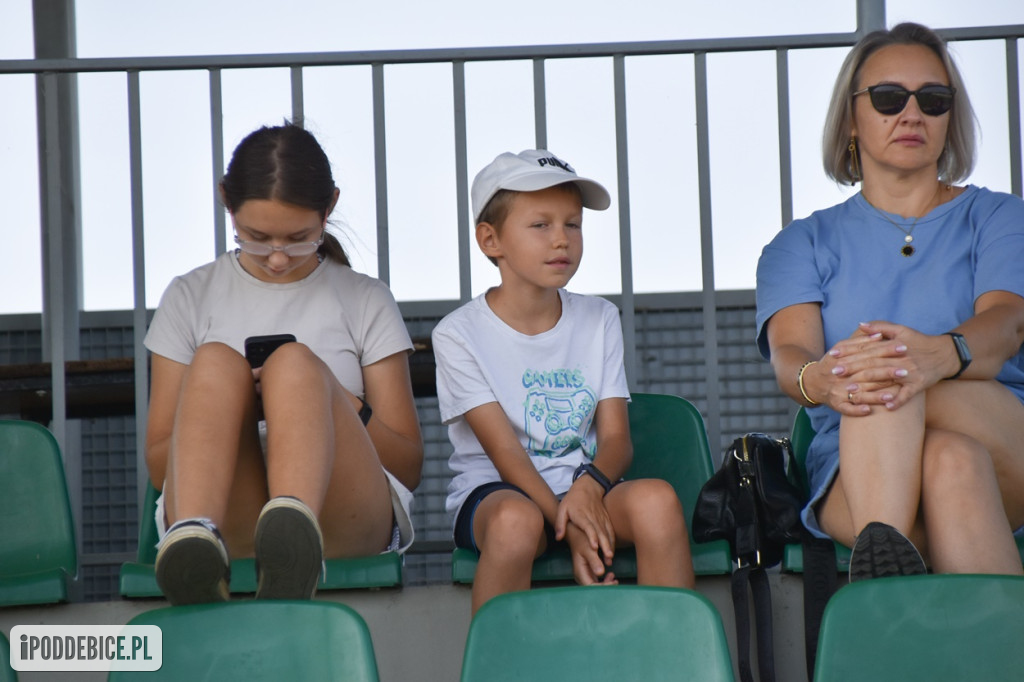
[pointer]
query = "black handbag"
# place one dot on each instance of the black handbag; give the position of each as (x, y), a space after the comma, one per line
(751, 503)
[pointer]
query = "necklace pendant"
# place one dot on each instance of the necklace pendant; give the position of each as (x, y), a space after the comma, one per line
(907, 250)
(908, 239)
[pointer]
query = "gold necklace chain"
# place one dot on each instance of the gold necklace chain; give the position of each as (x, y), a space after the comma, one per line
(907, 249)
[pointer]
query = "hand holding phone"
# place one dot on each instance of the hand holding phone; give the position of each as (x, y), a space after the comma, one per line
(259, 348)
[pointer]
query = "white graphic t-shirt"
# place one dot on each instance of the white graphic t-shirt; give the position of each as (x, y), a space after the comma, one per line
(548, 385)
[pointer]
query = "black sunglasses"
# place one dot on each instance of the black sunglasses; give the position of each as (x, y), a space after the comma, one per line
(891, 99)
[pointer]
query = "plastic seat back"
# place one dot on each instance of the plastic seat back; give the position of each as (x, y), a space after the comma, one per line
(669, 442)
(37, 550)
(621, 632)
(7, 673)
(259, 641)
(934, 628)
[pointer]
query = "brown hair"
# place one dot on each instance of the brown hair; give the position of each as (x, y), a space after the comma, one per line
(285, 163)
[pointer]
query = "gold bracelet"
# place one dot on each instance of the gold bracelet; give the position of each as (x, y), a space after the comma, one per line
(800, 381)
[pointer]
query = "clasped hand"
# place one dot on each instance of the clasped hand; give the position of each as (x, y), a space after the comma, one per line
(583, 521)
(882, 364)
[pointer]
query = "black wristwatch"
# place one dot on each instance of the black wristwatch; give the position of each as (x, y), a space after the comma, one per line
(594, 473)
(962, 352)
(365, 412)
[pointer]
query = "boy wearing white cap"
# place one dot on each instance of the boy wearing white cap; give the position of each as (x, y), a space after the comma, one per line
(531, 384)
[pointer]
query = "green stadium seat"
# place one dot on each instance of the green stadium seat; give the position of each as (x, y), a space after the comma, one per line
(7, 673)
(139, 580)
(622, 632)
(259, 641)
(38, 557)
(793, 554)
(669, 442)
(934, 628)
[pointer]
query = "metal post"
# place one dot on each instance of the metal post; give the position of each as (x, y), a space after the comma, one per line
(540, 105)
(463, 226)
(707, 256)
(625, 231)
(53, 24)
(380, 155)
(870, 16)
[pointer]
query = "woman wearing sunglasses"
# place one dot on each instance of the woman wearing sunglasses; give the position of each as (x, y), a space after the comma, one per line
(896, 319)
(267, 450)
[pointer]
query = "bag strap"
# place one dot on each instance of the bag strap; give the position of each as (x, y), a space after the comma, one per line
(756, 579)
(741, 609)
(819, 586)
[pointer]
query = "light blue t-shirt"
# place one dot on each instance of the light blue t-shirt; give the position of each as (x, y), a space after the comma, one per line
(848, 259)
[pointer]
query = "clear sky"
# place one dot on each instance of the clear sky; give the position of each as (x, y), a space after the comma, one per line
(664, 211)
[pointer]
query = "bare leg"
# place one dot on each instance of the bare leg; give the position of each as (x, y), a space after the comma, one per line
(215, 469)
(319, 452)
(646, 513)
(880, 457)
(509, 532)
(964, 519)
(968, 489)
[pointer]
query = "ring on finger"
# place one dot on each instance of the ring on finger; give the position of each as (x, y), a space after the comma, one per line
(849, 396)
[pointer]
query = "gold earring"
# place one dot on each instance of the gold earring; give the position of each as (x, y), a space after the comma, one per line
(854, 164)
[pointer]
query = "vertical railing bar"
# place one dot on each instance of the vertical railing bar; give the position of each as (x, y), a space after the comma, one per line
(540, 105)
(298, 113)
(462, 179)
(708, 299)
(625, 228)
(785, 148)
(217, 158)
(380, 155)
(1013, 102)
(139, 321)
(53, 327)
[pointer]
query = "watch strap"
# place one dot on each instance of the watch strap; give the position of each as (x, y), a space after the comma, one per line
(962, 352)
(594, 473)
(365, 412)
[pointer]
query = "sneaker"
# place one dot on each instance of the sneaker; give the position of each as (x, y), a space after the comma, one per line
(289, 550)
(881, 551)
(192, 563)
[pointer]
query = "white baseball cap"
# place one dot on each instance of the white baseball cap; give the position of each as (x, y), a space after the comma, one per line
(529, 171)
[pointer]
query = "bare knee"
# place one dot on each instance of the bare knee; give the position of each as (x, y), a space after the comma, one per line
(219, 360)
(652, 511)
(953, 465)
(511, 526)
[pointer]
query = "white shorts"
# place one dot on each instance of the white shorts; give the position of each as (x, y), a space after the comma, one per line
(401, 505)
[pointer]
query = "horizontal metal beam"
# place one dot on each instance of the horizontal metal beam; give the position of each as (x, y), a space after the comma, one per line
(567, 51)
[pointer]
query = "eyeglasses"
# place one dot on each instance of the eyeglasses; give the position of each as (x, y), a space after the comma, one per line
(290, 250)
(891, 99)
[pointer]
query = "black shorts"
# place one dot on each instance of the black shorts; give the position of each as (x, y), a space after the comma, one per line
(464, 521)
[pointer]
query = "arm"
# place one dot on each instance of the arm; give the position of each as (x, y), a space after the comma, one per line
(394, 426)
(583, 505)
(796, 337)
(164, 389)
(491, 427)
(994, 334)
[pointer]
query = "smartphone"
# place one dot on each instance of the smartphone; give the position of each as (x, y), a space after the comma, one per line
(259, 348)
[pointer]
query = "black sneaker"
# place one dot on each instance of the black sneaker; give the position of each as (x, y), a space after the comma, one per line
(192, 563)
(289, 550)
(881, 551)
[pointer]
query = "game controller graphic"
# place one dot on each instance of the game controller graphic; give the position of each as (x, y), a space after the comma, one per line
(565, 418)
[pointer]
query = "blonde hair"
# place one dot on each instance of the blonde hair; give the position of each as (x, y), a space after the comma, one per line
(958, 155)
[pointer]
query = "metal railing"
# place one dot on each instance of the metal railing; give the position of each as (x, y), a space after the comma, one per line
(52, 74)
